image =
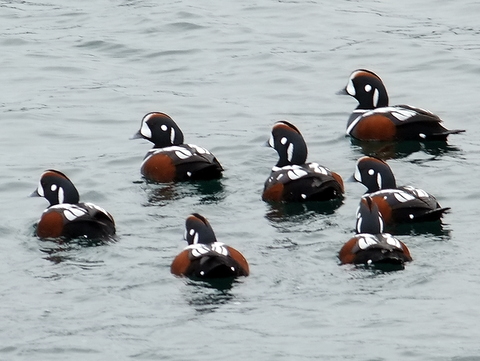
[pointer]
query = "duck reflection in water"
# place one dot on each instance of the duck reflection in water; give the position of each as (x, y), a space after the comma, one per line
(402, 149)
(209, 192)
(280, 212)
(207, 296)
(59, 251)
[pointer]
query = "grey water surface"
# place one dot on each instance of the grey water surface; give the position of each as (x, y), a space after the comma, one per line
(77, 77)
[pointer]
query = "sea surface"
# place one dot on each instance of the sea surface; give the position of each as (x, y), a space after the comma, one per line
(76, 79)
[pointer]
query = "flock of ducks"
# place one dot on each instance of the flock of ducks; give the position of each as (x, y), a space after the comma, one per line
(292, 179)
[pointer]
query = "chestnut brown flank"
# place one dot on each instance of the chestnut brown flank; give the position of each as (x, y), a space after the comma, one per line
(339, 179)
(375, 127)
(50, 225)
(345, 255)
(406, 250)
(237, 256)
(181, 263)
(159, 168)
(383, 207)
(273, 193)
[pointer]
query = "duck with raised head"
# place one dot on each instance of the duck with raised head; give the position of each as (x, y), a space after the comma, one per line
(374, 119)
(170, 160)
(294, 180)
(205, 257)
(396, 204)
(66, 217)
(371, 246)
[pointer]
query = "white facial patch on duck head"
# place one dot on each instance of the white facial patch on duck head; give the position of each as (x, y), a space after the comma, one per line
(271, 141)
(290, 152)
(350, 89)
(145, 130)
(358, 224)
(194, 234)
(61, 195)
(357, 175)
(376, 96)
(40, 190)
(379, 181)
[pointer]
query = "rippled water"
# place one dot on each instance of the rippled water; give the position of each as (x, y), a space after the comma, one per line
(76, 79)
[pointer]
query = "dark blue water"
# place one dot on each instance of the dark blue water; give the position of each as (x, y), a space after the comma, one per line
(76, 79)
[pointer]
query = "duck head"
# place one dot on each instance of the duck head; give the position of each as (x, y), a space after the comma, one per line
(160, 129)
(287, 140)
(367, 87)
(374, 173)
(198, 230)
(56, 188)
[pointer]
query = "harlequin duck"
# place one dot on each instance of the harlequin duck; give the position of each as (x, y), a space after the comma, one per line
(293, 180)
(396, 204)
(66, 217)
(205, 257)
(170, 160)
(370, 246)
(373, 119)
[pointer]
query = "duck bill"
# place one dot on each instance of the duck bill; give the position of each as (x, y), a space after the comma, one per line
(342, 92)
(137, 135)
(35, 193)
(350, 179)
